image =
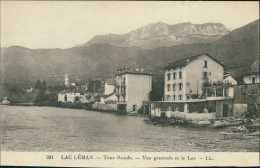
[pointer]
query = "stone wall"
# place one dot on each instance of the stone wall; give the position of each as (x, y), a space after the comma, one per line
(107, 106)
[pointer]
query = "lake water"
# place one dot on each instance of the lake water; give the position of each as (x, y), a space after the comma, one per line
(53, 129)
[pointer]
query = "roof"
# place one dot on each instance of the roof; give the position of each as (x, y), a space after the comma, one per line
(110, 81)
(101, 89)
(184, 61)
(105, 96)
(134, 69)
(69, 91)
(251, 73)
(229, 77)
(90, 94)
(255, 66)
(194, 100)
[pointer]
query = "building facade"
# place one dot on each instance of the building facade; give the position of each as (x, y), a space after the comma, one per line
(252, 76)
(68, 96)
(133, 86)
(109, 86)
(230, 79)
(184, 78)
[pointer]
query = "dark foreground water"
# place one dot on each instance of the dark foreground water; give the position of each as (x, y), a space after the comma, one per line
(58, 130)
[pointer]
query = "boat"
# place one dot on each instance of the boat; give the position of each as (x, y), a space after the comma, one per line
(254, 134)
(203, 123)
(228, 134)
(224, 123)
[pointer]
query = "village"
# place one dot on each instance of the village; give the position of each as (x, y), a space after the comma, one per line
(197, 91)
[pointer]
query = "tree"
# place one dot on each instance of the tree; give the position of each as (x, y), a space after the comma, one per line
(43, 85)
(76, 98)
(5, 85)
(92, 83)
(37, 84)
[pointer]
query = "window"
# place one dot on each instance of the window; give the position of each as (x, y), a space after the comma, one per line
(169, 76)
(180, 86)
(174, 75)
(180, 97)
(174, 87)
(167, 97)
(205, 75)
(205, 64)
(174, 69)
(168, 87)
(188, 97)
(173, 97)
(134, 107)
(180, 75)
(253, 79)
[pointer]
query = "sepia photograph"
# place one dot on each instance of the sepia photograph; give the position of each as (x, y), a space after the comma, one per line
(129, 83)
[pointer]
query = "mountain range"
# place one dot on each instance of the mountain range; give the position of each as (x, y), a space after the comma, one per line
(237, 50)
(163, 35)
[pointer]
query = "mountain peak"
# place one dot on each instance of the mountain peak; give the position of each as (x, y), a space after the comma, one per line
(160, 34)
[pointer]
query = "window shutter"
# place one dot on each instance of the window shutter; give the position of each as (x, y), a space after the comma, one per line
(202, 75)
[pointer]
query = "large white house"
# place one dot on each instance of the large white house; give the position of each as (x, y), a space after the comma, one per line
(133, 85)
(184, 78)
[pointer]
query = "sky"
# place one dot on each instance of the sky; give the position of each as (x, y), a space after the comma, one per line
(46, 24)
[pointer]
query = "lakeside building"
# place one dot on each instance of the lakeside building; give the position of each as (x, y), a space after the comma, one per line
(109, 86)
(230, 79)
(193, 110)
(68, 96)
(90, 96)
(29, 90)
(252, 76)
(103, 99)
(247, 99)
(184, 78)
(133, 85)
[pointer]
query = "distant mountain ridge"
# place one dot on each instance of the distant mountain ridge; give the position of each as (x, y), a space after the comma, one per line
(237, 50)
(163, 35)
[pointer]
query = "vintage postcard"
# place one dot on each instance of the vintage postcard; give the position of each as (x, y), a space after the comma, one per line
(129, 84)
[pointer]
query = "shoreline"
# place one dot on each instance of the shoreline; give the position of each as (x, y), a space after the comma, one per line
(67, 106)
